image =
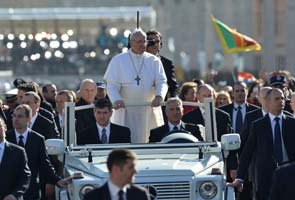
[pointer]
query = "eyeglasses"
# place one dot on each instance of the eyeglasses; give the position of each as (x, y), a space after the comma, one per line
(155, 41)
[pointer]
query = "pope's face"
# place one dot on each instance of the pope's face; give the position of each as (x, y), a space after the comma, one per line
(138, 43)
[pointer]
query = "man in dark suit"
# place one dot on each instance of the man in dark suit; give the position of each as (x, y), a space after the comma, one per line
(61, 98)
(279, 80)
(103, 131)
(239, 102)
(121, 165)
(154, 45)
(85, 118)
(38, 121)
(34, 145)
(196, 116)
(14, 171)
(237, 111)
(174, 113)
(283, 182)
(271, 140)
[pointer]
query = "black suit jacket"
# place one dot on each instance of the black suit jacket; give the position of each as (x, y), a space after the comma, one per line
(157, 134)
(118, 134)
(45, 127)
(171, 77)
(223, 121)
(283, 183)
(249, 118)
(103, 193)
(14, 171)
(230, 107)
(38, 161)
(260, 144)
(84, 118)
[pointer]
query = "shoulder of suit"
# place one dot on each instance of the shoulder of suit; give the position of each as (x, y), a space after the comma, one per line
(119, 126)
(44, 119)
(166, 59)
(221, 112)
(252, 106)
(226, 107)
(137, 187)
(14, 146)
(35, 134)
(159, 128)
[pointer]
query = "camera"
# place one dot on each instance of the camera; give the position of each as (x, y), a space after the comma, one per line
(151, 42)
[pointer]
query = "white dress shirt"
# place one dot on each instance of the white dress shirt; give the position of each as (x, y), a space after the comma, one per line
(33, 121)
(2, 148)
(171, 126)
(108, 131)
(114, 190)
(24, 134)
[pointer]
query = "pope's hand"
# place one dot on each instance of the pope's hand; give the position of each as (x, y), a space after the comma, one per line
(119, 104)
(157, 101)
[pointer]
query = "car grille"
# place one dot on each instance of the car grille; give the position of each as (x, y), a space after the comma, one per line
(171, 190)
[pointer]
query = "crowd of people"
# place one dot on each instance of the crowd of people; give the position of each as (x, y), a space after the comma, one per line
(60, 52)
(262, 113)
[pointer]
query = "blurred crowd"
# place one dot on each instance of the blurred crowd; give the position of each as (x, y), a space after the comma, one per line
(60, 52)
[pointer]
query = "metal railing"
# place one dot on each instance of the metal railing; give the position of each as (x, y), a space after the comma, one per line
(69, 118)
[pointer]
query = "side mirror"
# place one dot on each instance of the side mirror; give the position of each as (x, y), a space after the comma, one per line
(231, 141)
(55, 146)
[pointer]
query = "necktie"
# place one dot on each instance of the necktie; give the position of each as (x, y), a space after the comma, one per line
(175, 128)
(21, 141)
(278, 142)
(103, 136)
(121, 195)
(239, 120)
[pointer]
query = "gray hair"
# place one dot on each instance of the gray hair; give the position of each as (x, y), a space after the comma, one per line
(88, 80)
(174, 99)
(137, 31)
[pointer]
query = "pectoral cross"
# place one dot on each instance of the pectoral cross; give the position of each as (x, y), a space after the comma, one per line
(137, 79)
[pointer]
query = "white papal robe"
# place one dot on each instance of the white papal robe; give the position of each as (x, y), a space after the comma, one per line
(121, 85)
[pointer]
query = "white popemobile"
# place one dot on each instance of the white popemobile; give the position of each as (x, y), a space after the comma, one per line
(179, 167)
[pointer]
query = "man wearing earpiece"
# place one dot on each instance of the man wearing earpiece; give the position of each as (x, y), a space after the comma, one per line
(154, 45)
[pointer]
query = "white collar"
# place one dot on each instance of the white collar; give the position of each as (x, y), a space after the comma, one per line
(2, 144)
(114, 189)
(243, 105)
(171, 126)
(24, 134)
(272, 116)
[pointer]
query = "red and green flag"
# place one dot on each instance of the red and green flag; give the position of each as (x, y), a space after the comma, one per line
(233, 41)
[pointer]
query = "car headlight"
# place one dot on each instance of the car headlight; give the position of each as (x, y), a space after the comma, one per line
(208, 190)
(84, 189)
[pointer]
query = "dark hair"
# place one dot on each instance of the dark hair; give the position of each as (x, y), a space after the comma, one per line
(119, 157)
(102, 103)
(27, 87)
(67, 94)
(154, 32)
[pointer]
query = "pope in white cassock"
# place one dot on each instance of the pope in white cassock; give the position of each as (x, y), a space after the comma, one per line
(137, 76)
